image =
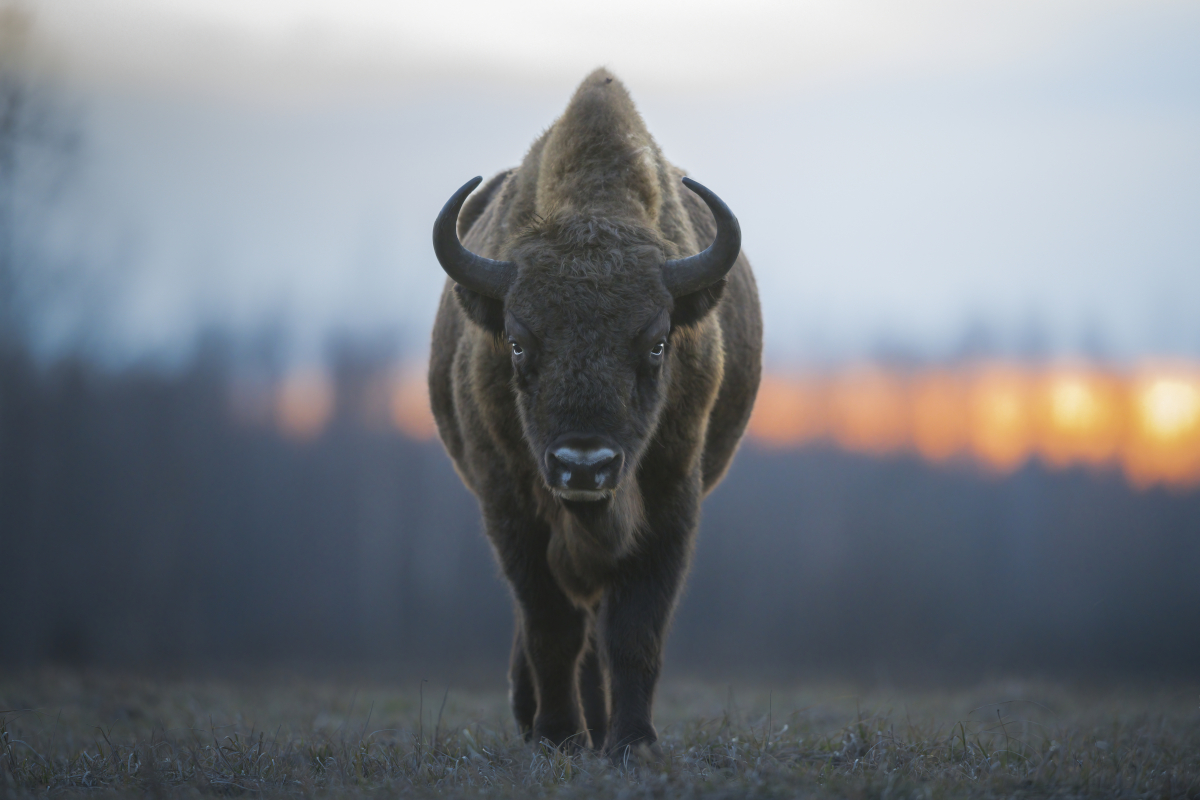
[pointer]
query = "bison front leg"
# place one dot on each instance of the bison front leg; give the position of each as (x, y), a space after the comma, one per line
(521, 694)
(634, 618)
(593, 691)
(554, 632)
(550, 636)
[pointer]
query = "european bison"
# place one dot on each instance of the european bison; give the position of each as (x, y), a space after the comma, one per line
(591, 378)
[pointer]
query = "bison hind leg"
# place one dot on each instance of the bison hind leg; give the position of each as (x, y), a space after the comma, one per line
(593, 691)
(521, 692)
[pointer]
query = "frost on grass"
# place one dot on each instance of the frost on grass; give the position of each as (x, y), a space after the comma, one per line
(67, 733)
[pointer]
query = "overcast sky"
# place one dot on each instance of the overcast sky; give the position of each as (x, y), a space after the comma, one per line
(912, 178)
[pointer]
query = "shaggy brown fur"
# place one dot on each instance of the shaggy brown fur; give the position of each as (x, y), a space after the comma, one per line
(589, 217)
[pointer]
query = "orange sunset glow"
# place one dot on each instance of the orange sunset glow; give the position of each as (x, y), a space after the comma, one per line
(304, 403)
(997, 414)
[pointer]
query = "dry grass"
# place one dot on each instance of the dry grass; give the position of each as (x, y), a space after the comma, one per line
(72, 733)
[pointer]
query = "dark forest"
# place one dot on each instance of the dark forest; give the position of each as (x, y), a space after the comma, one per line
(144, 526)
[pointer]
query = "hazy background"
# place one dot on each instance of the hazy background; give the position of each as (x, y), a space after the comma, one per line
(203, 204)
(1019, 176)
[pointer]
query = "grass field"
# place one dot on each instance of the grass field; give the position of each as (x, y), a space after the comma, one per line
(66, 732)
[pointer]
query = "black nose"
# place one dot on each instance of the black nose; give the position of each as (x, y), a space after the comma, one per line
(585, 464)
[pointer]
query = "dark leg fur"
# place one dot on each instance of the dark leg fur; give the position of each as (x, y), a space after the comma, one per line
(554, 640)
(593, 691)
(552, 630)
(633, 655)
(521, 693)
(632, 624)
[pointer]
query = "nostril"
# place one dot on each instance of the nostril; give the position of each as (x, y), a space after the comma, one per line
(595, 457)
(578, 466)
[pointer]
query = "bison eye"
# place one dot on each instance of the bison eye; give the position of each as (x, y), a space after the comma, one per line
(517, 350)
(657, 351)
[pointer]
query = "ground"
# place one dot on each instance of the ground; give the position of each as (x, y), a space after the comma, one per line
(75, 732)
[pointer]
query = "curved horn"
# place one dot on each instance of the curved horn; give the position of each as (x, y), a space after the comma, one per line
(479, 274)
(686, 275)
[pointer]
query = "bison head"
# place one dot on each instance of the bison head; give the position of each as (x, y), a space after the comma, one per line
(586, 308)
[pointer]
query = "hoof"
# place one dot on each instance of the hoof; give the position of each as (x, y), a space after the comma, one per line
(574, 745)
(633, 748)
(597, 741)
(560, 737)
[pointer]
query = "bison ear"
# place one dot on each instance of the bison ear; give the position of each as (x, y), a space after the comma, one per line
(484, 311)
(692, 308)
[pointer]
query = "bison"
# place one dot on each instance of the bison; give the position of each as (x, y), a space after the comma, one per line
(593, 367)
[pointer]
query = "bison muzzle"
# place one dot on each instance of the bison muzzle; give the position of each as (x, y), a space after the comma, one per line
(595, 359)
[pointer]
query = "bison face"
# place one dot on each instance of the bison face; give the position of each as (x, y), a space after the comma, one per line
(585, 306)
(587, 326)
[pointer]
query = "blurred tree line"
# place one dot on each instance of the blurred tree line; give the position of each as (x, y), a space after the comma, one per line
(142, 524)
